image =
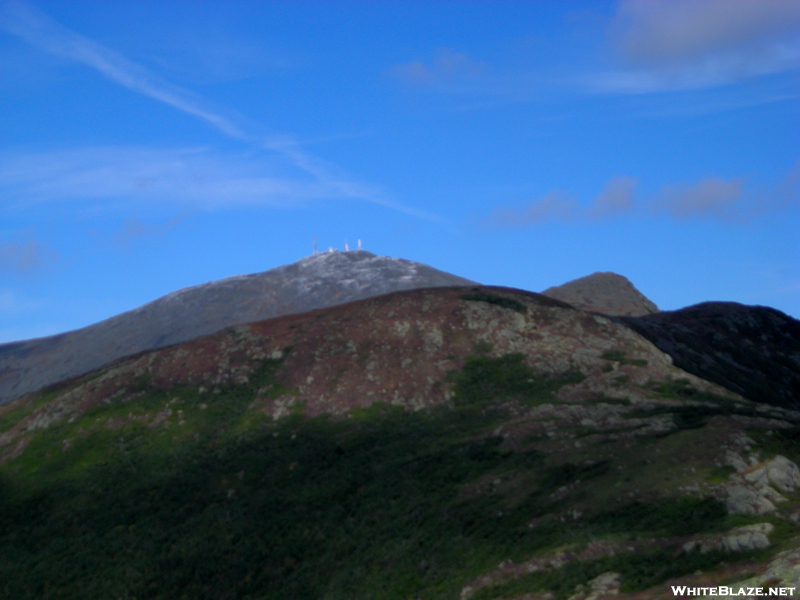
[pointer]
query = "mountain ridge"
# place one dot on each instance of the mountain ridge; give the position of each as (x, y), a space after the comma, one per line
(751, 350)
(459, 442)
(313, 282)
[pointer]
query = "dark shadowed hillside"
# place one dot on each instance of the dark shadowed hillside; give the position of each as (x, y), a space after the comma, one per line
(751, 350)
(314, 282)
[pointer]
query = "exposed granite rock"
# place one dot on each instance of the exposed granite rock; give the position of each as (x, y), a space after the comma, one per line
(752, 490)
(783, 474)
(605, 584)
(783, 571)
(740, 539)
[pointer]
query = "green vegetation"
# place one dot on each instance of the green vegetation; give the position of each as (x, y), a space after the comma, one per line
(303, 509)
(216, 501)
(482, 348)
(619, 356)
(639, 572)
(778, 441)
(12, 416)
(484, 380)
(682, 389)
(692, 416)
(498, 300)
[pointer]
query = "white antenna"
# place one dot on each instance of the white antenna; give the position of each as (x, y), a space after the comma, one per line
(359, 244)
(346, 247)
(315, 244)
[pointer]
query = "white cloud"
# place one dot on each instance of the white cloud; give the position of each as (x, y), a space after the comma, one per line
(670, 45)
(189, 178)
(658, 31)
(39, 30)
(198, 177)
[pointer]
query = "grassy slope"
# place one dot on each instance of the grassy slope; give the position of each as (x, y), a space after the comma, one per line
(216, 502)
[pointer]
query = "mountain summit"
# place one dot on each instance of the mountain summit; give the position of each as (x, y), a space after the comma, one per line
(316, 281)
(606, 293)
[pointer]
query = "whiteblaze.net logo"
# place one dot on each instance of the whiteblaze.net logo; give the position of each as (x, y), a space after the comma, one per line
(724, 590)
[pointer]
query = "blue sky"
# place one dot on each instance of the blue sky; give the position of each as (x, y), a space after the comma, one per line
(149, 146)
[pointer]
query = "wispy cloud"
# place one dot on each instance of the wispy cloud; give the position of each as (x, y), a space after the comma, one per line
(708, 197)
(22, 257)
(555, 206)
(133, 230)
(615, 199)
(39, 30)
(201, 178)
(656, 46)
(726, 200)
(213, 54)
(787, 193)
(659, 31)
(11, 302)
(448, 71)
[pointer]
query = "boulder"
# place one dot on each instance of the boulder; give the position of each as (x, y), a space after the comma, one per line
(740, 539)
(783, 474)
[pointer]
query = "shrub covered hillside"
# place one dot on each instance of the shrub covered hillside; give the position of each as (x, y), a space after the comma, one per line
(453, 443)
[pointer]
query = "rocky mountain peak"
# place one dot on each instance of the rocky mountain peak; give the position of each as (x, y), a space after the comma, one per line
(606, 293)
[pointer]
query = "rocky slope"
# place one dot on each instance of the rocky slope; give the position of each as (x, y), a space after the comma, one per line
(474, 442)
(314, 282)
(751, 350)
(606, 293)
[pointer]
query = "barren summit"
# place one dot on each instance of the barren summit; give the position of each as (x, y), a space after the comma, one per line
(606, 293)
(316, 281)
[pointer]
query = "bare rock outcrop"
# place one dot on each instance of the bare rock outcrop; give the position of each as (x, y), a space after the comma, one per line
(783, 571)
(756, 489)
(740, 539)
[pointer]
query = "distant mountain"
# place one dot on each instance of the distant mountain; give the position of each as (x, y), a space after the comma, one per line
(460, 443)
(751, 350)
(313, 282)
(606, 293)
